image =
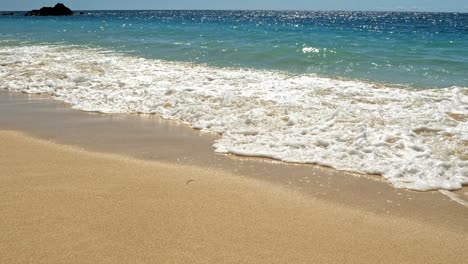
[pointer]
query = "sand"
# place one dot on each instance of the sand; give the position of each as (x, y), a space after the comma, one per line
(61, 204)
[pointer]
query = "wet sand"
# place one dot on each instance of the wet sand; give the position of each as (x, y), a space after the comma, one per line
(62, 204)
(148, 137)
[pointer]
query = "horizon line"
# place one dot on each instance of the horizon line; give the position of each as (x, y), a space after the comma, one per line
(293, 10)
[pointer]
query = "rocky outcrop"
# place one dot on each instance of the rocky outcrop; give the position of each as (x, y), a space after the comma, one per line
(58, 10)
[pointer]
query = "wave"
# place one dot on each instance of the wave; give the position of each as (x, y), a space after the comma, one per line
(416, 139)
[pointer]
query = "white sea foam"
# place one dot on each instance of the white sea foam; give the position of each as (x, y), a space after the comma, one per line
(416, 139)
(310, 50)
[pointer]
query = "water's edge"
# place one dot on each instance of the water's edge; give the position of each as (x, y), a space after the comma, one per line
(151, 138)
(416, 139)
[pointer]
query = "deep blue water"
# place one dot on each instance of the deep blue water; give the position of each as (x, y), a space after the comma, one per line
(416, 49)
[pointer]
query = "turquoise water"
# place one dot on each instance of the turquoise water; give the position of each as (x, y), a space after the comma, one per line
(329, 88)
(416, 49)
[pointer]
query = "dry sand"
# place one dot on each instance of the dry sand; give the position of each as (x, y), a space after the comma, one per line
(60, 204)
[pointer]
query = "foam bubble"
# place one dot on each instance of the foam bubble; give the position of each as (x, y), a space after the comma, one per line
(417, 139)
(310, 50)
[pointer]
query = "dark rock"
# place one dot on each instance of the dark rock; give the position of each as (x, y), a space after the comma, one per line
(58, 10)
(8, 14)
(34, 12)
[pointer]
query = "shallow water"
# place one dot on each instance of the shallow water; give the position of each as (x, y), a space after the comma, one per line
(419, 49)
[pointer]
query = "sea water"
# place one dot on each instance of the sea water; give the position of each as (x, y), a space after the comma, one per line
(371, 92)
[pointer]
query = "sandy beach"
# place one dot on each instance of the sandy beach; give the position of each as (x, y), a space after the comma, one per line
(231, 134)
(148, 137)
(62, 204)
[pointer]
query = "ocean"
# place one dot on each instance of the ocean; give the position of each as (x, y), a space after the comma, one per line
(370, 92)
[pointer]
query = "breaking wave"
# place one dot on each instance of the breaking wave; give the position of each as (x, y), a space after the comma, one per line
(416, 139)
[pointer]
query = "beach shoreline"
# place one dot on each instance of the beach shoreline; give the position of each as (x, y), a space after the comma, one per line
(234, 136)
(151, 138)
(65, 204)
